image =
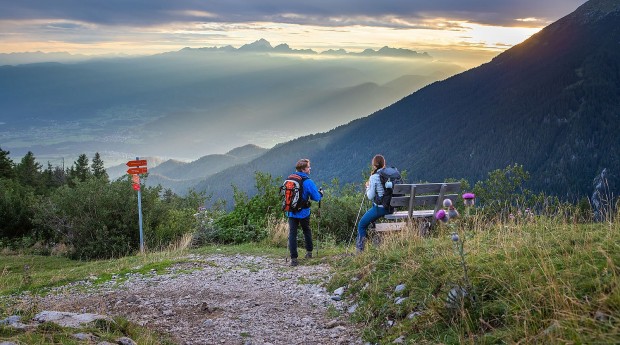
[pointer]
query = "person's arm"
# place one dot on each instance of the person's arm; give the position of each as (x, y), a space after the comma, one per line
(313, 192)
(371, 188)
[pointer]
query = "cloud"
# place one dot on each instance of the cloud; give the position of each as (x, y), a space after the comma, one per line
(317, 12)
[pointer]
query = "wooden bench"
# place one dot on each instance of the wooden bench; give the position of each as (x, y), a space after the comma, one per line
(418, 201)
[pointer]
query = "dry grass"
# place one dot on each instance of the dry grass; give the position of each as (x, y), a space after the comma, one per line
(277, 233)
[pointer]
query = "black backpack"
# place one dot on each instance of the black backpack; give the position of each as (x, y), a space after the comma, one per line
(292, 190)
(389, 176)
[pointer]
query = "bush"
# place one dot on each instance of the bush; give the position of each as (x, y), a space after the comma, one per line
(97, 219)
(15, 209)
(174, 224)
(247, 222)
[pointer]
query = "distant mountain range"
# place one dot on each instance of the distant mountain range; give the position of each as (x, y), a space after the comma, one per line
(194, 102)
(181, 176)
(551, 103)
(263, 46)
(259, 46)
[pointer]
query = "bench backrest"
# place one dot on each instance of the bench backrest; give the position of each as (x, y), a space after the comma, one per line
(428, 195)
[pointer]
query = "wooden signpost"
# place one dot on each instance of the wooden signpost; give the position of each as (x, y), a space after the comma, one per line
(136, 167)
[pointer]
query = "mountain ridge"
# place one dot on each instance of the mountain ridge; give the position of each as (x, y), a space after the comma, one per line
(258, 46)
(550, 103)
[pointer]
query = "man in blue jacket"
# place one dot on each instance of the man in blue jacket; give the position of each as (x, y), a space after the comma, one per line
(302, 217)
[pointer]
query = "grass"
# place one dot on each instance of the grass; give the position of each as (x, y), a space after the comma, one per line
(110, 331)
(537, 280)
(540, 281)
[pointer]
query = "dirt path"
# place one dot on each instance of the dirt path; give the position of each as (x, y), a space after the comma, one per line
(220, 299)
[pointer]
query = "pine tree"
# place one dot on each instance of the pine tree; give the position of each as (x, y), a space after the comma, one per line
(29, 171)
(98, 168)
(54, 176)
(80, 170)
(6, 165)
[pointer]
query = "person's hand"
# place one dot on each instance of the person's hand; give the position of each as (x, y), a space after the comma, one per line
(367, 184)
(321, 192)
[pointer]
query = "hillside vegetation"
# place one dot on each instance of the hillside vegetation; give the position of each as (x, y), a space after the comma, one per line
(517, 267)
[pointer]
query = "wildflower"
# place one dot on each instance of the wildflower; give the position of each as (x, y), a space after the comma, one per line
(442, 216)
(452, 212)
(511, 216)
(469, 199)
(447, 203)
(455, 237)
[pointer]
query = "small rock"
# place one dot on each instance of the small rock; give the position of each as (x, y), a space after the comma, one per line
(414, 315)
(339, 291)
(399, 340)
(399, 288)
(352, 309)
(125, 341)
(336, 298)
(85, 336)
(208, 323)
(7, 343)
(600, 316)
(334, 323)
(10, 320)
(400, 300)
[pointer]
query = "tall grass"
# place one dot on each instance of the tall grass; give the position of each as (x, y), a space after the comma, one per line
(536, 279)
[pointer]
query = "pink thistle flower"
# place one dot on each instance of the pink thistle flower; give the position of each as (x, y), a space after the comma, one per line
(469, 199)
(442, 216)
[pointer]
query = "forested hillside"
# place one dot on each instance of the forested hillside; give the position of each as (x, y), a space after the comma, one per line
(551, 103)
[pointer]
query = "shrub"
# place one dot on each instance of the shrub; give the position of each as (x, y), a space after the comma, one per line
(96, 218)
(15, 209)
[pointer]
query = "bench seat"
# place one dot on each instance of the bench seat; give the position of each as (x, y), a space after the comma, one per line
(414, 214)
(412, 197)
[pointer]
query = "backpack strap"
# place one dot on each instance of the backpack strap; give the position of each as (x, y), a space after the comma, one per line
(305, 203)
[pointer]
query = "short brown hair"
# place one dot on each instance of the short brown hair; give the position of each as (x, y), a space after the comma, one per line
(302, 164)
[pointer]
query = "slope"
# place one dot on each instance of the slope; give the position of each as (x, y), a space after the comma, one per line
(551, 103)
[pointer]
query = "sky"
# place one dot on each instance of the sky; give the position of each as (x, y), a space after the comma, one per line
(460, 31)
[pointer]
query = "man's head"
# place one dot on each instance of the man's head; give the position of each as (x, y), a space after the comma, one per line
(303, 165)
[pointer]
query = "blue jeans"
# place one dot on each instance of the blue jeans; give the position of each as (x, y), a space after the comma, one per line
(370, 216)
(293, 224)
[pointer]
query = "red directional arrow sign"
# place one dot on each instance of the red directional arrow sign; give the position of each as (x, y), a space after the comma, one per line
(136, 163)
(141, 170)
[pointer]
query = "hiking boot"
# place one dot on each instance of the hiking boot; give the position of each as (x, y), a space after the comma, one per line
(308, 255)
(294, 262)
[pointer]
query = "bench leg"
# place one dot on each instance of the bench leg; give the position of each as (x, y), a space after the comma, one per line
(425, 227)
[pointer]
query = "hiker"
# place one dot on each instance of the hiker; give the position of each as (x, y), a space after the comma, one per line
(309, 192)
(374, 192)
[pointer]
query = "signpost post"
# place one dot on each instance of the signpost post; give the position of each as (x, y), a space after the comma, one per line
(135, 169)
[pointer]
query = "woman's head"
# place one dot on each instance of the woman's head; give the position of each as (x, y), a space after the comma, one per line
(378, 162)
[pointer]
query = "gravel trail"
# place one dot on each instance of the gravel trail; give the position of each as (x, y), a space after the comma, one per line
(221, 299)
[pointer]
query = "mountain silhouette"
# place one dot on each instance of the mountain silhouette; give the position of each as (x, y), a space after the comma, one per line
(551, 103)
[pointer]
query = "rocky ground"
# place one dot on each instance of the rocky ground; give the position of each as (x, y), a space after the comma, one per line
(219, 299)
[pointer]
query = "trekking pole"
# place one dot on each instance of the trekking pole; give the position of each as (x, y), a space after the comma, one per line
(289, 233)
(355, 224)
(318, 228)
